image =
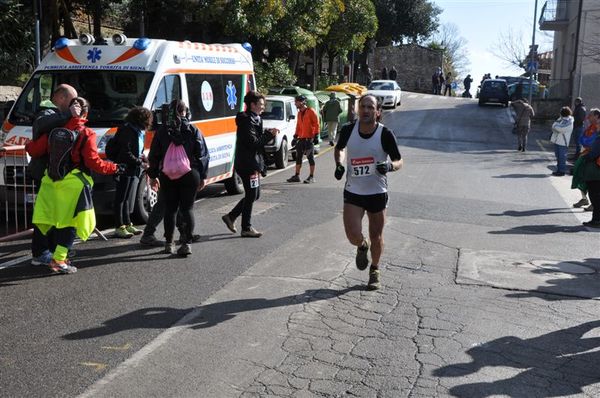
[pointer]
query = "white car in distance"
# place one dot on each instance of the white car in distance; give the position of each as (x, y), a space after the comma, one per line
(281, 113)
(388, 92)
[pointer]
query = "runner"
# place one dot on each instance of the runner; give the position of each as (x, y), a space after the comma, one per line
(369, 144)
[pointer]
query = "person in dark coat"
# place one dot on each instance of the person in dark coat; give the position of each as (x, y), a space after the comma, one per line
(467, 83)
(179, 193)
(579, 114)
(384, 73)
(393, 73)
(249, 161)
(435, 83)
(130, 146)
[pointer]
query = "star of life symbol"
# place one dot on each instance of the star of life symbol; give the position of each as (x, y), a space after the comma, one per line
(231, 91)
(94, 55)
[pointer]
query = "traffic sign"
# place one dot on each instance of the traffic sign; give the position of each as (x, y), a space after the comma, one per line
(532, 66)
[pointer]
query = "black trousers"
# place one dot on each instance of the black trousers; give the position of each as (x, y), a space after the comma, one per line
(124, 199)
(157, 214)
(180, 194)
(594, 194)
(244, 206)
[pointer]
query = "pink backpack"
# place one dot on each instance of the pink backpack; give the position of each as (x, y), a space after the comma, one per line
(176, 163)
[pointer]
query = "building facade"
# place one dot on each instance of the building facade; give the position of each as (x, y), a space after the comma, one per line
(415, 64)
(576, 48)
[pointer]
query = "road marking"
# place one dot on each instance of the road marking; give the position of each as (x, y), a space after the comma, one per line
(122, 348)
(98, 367)
(14, 262)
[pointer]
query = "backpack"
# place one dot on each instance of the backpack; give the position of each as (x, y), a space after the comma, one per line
(61, 142)
(176, 162)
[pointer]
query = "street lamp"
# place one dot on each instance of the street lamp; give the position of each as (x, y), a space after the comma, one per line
(532, 53)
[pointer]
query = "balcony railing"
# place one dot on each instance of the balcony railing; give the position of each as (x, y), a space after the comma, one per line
(554, 15)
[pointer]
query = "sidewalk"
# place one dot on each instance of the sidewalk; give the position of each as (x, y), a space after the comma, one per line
(306, 327)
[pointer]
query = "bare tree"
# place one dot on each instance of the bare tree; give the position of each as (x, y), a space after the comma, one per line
(511, 48)
(456, 56)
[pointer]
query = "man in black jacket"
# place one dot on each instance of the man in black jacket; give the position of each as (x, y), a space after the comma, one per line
(579, 114)
(249, 161)
(62, 96)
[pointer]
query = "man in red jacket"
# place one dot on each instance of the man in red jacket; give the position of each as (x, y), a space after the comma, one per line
(307, 135)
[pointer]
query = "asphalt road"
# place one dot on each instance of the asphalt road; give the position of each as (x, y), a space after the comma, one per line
(462, 176)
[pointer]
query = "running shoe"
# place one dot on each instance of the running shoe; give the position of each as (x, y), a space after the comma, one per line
(229, 223)
(62, 267)
(150, 240)
(362, 256)
(133, 230)
(169, 248)
(184, 250)
(309, 180)
(294, 178)
(251, 233)
(581, 203)
(592, 224)
(43, 259)
(374, 280)
(122, 232)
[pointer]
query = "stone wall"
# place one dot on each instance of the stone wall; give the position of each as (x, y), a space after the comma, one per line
(415, 65)
(547, 109)
(7, 93)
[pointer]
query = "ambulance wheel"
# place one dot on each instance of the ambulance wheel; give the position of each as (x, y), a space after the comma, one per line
(234, 185)
(281, 156)
(145, 199)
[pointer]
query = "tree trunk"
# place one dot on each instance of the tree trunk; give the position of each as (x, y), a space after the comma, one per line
(97, 14)
(68, 27)
(331, 58)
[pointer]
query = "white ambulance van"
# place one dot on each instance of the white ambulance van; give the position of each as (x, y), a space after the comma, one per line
(123, 72)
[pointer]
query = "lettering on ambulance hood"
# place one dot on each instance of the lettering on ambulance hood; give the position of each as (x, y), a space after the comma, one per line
(18, 136)
(96, 67)
(210, 59)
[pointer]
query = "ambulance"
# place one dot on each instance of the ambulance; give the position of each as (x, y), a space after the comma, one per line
(115, 75)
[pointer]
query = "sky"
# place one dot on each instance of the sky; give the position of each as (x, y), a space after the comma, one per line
(481, 22)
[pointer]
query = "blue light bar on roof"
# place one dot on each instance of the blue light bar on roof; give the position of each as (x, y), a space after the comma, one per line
(61, 43)
(141, 44)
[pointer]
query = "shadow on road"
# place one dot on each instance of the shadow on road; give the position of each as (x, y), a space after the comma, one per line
(540, 229)
(554, 364)
(529, 213)
(577, 287)
(522, 176)
(208, 315)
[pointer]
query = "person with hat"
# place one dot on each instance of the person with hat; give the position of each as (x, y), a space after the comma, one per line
(307, 135)
(331, 114)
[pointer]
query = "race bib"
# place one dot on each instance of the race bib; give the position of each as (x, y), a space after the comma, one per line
(254, 180)
(362, 167)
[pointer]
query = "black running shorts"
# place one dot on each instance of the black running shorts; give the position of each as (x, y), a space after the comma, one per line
(371, 203)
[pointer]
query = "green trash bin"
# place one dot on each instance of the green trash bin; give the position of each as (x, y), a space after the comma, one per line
(311, 101)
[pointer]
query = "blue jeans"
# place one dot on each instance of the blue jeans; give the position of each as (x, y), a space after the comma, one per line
(561, 158)
(577, 132)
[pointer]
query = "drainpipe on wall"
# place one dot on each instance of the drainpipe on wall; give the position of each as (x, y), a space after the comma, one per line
(576, 54)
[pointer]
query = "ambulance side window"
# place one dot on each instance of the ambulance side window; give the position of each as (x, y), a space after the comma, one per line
(214, 96)
(168, 90)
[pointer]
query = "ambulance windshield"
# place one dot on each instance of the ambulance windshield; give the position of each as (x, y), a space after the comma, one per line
(111, 94)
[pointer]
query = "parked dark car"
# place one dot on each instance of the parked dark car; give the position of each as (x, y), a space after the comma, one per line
(494, 91)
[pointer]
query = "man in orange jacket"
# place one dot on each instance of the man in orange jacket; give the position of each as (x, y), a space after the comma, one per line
(307, 135)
